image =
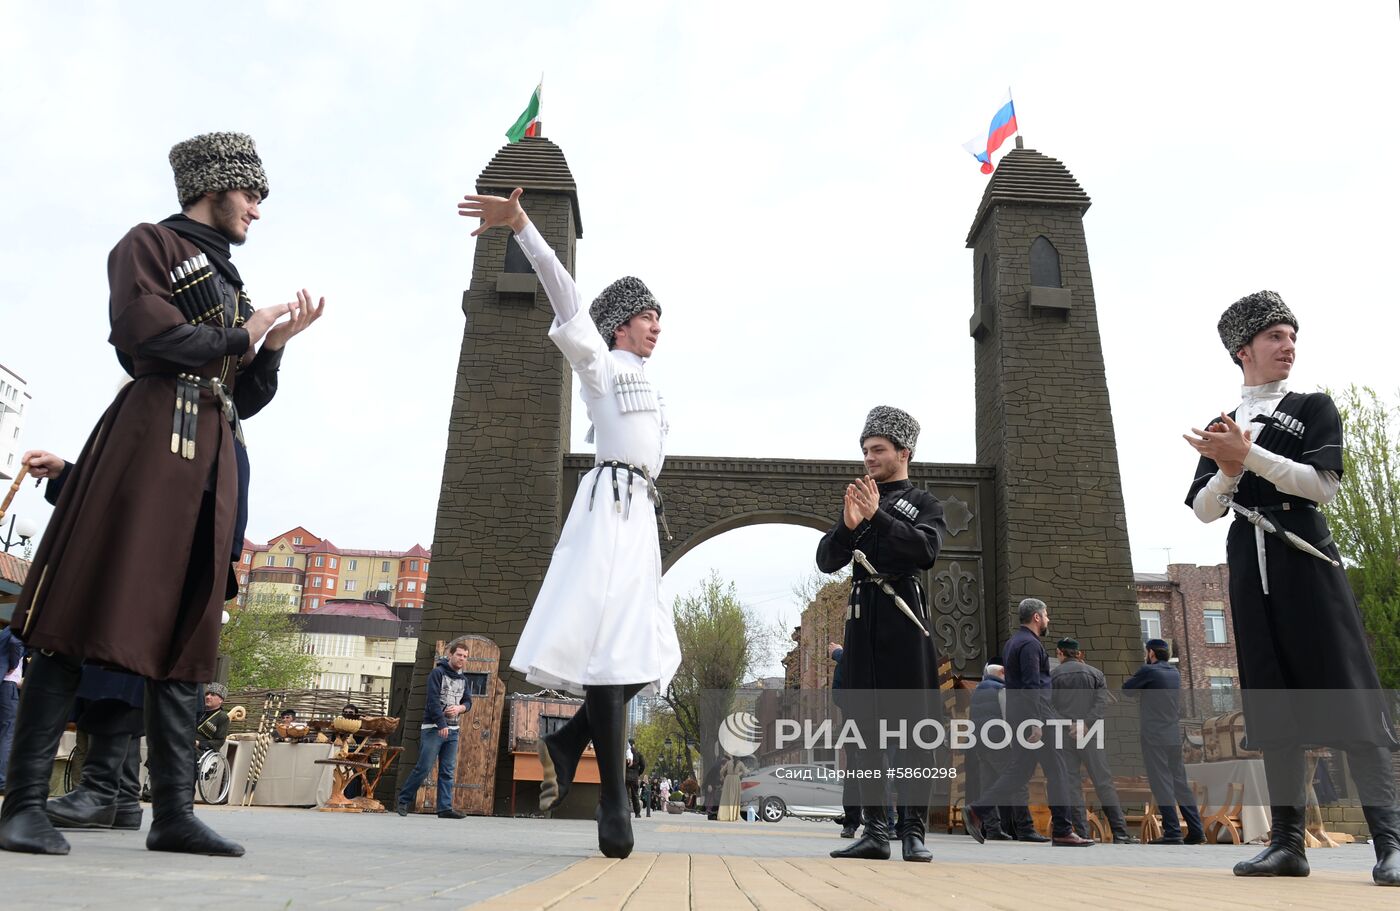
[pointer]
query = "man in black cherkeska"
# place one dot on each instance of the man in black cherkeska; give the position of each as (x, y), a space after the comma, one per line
(899, 528)
(1305, 670)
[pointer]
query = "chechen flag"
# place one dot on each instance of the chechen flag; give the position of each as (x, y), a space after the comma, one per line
(1003, 127)
(528, 123)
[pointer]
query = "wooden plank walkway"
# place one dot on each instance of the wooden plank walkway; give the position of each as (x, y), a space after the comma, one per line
(646, 882)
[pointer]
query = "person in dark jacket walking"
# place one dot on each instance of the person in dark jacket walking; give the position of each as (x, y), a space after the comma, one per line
(11, 673)
(1159, 730)
(108, 713)
(1079, 692)
(446, 701)
(636, 767)
(985, 765)
(1028, 708)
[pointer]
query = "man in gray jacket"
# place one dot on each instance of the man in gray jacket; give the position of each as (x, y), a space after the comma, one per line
(1079, 693)
(447, 700)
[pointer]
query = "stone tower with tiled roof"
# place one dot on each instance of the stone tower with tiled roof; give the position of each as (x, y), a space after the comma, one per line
(1043, 414)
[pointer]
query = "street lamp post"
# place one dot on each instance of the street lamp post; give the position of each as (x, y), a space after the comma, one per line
(18, 534)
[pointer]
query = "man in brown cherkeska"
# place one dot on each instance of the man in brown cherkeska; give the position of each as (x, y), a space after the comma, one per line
(164, 472)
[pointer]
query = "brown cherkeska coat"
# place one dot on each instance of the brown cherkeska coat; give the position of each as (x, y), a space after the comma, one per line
(134, 567)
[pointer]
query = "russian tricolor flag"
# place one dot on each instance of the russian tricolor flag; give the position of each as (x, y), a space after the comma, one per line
(1003, 128)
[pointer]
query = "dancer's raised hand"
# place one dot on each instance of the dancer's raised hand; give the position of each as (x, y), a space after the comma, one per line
(495, 211)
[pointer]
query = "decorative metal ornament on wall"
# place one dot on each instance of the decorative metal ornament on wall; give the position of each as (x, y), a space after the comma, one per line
(957, 621)
(957, 514)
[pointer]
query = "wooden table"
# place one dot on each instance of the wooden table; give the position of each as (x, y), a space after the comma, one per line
(368, 762)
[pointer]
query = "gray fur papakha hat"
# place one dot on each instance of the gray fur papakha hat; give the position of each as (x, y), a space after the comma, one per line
(898, 426)
(218, 689)
(214, 162)
(618, 303)
(1251, 315)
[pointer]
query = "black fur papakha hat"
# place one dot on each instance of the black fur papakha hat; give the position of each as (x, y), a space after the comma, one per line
(618, 303)
(214, 162)
(1251, 315)
(899, 427)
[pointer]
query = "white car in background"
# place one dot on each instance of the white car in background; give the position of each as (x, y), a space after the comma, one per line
(797, 789)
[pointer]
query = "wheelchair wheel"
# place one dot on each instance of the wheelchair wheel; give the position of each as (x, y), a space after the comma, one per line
(212, 778)
(72, 770)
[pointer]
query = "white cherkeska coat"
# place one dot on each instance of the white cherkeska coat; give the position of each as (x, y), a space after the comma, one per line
(599, 619)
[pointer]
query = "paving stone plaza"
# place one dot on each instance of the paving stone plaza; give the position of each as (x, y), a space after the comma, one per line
(307, 859)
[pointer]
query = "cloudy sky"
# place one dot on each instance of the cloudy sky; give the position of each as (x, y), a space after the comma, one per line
(789, 180)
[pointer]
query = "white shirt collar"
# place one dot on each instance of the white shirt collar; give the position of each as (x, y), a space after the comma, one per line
(1265, 390)
(629, 358)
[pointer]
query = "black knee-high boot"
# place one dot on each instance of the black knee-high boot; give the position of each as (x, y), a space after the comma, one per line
(559, 756)
(1283, 768)
(912, 828)
(607, 716)
(1370, 769)
(874, 841)
(129, 789)
(170, 724)
(93, 803)
(44, 708)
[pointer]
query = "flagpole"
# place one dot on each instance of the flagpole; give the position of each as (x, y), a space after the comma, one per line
(1019, 134)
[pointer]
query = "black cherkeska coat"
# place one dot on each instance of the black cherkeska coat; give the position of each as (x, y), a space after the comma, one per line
(1305, 667)
(882, 648)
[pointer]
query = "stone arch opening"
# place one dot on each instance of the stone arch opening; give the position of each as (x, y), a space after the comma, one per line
(744, 520)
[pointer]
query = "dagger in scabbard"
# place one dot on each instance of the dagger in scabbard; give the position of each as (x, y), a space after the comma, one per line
(1257, 519)
(858, 557)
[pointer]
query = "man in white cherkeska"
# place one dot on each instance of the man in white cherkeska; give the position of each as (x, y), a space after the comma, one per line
(598, 626)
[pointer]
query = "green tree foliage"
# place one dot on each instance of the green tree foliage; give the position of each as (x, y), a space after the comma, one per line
(722, 644)
(651, 737)
(1365, 520)
(264, 646)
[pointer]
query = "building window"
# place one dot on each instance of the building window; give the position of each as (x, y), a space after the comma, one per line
(291, 561)
(412, 585)
(400, 586)
(1222, 694)
(315, 581)
(247, 558)
(424, 588)
(334, 562)
(320, 560)
(351, 585)
(271, 560)
(354, 565)
(1045, 264)
(401, 564)
(413, 566)
(297, 540)
(1215, 627)
(243, 579)
(330, 583)
(1150, 620)
(425, 566)
(315, 603)
(384, 567)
